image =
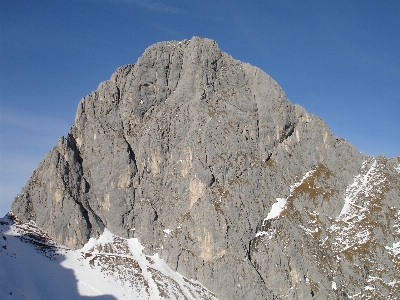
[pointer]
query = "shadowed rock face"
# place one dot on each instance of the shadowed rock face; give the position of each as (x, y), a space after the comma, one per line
(189, 150)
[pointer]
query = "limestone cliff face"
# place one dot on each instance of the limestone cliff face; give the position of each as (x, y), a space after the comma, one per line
(203, 159)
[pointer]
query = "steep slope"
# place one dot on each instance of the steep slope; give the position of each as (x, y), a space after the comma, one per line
(188, 150)
(351, 254)
(111, 267)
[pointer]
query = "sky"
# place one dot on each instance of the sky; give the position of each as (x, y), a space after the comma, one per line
(338, 59)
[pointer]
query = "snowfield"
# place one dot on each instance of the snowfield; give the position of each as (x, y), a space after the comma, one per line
(32, 266)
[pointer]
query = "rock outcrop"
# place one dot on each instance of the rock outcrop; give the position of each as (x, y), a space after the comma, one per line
(204, 160)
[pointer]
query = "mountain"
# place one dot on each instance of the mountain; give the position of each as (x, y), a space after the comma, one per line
(203, 160)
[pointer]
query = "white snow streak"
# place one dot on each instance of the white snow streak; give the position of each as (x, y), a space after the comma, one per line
(361, 184)
(167, 231)
(276, 208)
(360, 196)
(395, 250)
(309, 231)
(280, 203)
(269, 233)
(279, 206)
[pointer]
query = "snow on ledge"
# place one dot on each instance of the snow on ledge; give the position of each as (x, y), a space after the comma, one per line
(280, 203)
(276, 208)
(279, 206)
(359, 185)
(167, 231)
(364, 185)
(395, 250)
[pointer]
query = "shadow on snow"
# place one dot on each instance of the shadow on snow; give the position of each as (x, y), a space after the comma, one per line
(30, 268)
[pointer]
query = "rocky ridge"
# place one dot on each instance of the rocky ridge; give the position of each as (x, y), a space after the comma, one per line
(204, 160)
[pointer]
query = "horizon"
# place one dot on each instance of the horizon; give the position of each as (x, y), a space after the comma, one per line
(339, 60)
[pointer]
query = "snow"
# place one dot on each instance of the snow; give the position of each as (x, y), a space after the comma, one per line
(107, 268)
(374, 279)
(280, 203)
(106, 237)
(167, 231)
(297, 184)
(394, 282)
(361, 185)
(360, 196)
(270, 233)
(279, 206)
(25, 274)
(136, 249)
(355, 296)
(276, 208)
(395, 250)
(309, 231)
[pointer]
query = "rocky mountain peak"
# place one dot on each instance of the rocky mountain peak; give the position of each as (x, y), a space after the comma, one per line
(203, 159)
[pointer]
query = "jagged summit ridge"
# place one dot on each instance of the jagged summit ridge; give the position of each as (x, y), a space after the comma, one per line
(188, 150)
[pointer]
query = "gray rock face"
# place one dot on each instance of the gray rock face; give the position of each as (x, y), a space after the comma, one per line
(205, 161)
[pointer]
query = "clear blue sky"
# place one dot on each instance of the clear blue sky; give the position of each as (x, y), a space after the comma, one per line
(338, 59)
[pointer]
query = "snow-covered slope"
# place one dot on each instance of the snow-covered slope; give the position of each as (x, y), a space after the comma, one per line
(350, 253)
(32, 266)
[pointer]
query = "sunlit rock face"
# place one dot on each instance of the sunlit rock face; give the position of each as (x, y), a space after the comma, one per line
(204, 160)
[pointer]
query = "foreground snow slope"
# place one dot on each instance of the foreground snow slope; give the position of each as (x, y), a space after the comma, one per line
(32, 266)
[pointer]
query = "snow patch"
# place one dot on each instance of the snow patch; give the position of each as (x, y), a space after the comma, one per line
(269, 233)
(136, 248)
(105, 237)
(276, 208)
(309, 231)
(280, 203)
(395, 250)
(279, 206)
